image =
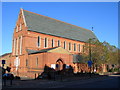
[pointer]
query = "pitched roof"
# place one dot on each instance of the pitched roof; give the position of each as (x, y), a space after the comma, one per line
(39, 51)
(46, 25)
(54, 49)
(5, 54)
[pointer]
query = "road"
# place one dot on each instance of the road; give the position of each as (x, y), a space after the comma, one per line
(112, 81)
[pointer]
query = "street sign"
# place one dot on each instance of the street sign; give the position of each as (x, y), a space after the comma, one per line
(89, 63)
(3, 61)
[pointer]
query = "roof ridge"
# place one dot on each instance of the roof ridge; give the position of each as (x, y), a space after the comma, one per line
(57, 20)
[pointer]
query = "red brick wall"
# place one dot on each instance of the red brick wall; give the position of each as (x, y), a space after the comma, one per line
(29, 41)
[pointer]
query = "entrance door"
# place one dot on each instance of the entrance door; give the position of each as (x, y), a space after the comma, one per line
(59, 64)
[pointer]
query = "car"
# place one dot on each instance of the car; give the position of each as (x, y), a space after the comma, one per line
(8, 76)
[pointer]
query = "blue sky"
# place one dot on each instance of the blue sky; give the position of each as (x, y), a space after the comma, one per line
(103, 16)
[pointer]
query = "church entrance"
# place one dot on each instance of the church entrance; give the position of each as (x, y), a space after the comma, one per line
(59, 64)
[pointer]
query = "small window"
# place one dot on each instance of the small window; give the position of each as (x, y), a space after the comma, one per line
(38, 42)
(58, 43)
(69, 46)
(74, 47)
(52, 43)
(45, 45)
(64, 45)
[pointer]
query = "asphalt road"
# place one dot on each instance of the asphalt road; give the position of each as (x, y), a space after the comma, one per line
(112, 81)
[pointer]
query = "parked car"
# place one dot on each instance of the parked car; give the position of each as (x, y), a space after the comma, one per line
(8, 76)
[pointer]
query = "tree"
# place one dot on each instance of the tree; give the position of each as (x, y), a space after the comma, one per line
(101, 52)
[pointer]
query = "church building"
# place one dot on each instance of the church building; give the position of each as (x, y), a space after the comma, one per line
(40, 40)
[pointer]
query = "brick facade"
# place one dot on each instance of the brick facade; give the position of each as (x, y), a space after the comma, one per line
(25, 65)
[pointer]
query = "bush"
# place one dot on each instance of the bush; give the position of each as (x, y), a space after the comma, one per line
(114, 70)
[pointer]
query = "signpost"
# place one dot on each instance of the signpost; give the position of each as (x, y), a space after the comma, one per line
(3, 61)
(4, 80)
(89, 65)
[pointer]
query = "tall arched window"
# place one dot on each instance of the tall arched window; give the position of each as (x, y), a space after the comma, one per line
(83, 48)
(64, 45)
(45, 43)
(58, 43)
(69, 46)
(38, 42)
(14, 46)
(21, 46)
(52, 43)
(17, 42)
(78, 47)
(74, 47)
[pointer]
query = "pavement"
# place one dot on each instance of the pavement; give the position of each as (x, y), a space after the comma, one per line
(59, 83)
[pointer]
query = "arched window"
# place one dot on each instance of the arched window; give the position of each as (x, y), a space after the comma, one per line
(79, 47)
(14, 46)
(69, 46)
(83, 48)
(17, 41)
(20, 44)
(45, 43)
(58, 43)
(74, 47)
(64, 45)
(38, 42)
(52, 43)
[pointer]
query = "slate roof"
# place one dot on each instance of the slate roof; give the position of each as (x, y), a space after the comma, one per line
(40, 51)
(46, 25)
(53, 50)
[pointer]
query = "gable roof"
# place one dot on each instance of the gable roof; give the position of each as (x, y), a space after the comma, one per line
(54, 49)
(5, 54)
(46, 25)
